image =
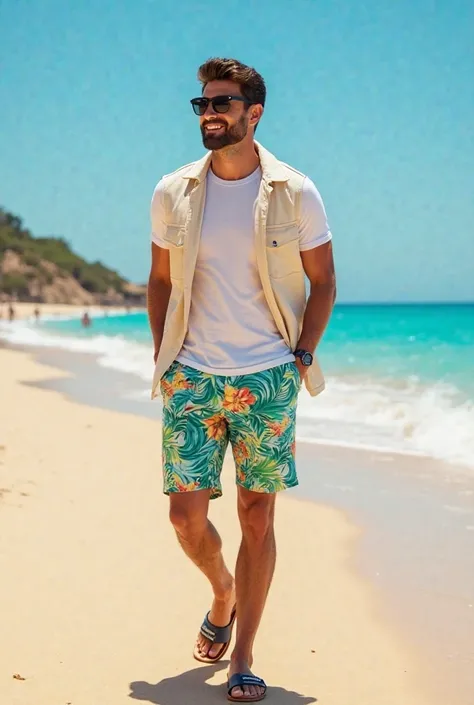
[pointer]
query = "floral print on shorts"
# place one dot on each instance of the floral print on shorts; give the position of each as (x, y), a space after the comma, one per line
(256, 412)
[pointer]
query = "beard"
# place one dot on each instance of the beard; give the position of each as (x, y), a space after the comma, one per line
(233, 134)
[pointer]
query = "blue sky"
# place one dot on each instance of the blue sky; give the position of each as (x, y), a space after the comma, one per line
(373, 100)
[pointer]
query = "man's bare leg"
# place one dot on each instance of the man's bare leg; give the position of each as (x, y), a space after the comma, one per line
(202, 544)
(253, 577)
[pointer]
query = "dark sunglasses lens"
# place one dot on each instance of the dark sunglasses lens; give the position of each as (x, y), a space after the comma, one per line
(221, 105)
(199, 105)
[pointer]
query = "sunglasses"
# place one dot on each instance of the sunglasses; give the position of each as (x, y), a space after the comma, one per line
(220, 104)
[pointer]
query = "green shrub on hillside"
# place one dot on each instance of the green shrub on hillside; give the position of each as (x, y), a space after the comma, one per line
(94, 277)
(14, 283)
(31, 259)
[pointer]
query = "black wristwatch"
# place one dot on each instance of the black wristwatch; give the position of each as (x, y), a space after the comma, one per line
(305, 357)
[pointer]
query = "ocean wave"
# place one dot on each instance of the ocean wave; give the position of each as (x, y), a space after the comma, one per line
(116, 352)
(397, 416)
(410, 417)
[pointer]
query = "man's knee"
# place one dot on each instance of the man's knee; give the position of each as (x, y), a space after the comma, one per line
(188, 516)
(256, 514)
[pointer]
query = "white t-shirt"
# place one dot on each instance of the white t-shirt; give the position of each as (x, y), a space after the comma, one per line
(231, 330)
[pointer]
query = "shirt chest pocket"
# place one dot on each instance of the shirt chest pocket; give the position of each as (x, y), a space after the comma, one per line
(174, 238)
(283, 250)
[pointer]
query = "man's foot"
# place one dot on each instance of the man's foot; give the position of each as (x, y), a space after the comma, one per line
(245, 692)
(220, 616)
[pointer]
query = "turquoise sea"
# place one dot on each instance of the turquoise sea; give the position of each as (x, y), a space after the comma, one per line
(399, 377)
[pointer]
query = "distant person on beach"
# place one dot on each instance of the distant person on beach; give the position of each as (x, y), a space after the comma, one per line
(233, 235)
(11, 312)
(86, 320)
(37, 313)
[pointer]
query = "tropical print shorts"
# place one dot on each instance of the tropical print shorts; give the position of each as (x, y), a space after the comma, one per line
(256, 412)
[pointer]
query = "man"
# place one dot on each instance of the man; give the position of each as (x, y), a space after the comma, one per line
(234, 334)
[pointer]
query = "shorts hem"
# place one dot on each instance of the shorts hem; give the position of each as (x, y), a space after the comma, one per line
(215, 492)
(288, 486)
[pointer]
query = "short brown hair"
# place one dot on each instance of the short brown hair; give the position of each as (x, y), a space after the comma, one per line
(250, 81)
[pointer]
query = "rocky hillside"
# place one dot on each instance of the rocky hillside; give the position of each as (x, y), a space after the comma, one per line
(48, 271)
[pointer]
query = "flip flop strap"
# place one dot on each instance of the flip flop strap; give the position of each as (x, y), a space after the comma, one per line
(240, 679)
(220, 635)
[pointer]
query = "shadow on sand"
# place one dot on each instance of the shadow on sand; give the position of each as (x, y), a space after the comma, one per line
(190, 688)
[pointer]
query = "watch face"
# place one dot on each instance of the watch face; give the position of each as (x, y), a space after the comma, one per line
(305, 357)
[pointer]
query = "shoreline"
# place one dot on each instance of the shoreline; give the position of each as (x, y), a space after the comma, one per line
(25, 310)
(332, 491)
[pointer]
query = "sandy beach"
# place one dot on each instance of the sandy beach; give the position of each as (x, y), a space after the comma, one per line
(100, 606)
(25, 310)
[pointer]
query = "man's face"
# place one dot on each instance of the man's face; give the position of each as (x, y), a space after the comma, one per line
(220, 130)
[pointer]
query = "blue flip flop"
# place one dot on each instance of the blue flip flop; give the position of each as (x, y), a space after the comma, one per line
(238, 680)
(216, 635)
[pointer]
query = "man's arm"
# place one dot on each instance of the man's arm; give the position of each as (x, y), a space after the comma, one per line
(158, 293)
(318, 265)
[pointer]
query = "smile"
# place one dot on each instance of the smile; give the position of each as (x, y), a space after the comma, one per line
(213, 127)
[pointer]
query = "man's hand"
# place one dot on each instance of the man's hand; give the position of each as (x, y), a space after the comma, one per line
(301, 368)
